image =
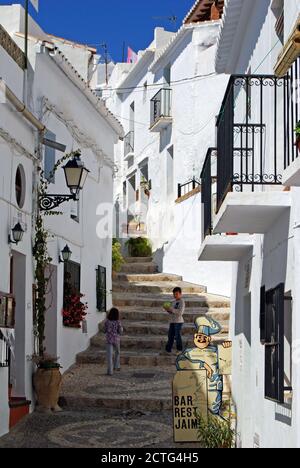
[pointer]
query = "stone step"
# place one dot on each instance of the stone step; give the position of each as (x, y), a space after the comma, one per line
(149, 278)
(159, 328)
(145, 342)
(142, 315)
(164, 287)
(195, 300)
(138, 259)
(139, 268)
(140, 358)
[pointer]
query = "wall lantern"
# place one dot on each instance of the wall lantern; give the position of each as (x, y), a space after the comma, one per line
(76, 174)
(66, 255)
(17, 234)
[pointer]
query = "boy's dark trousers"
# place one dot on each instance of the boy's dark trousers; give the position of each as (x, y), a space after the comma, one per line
(174, 334)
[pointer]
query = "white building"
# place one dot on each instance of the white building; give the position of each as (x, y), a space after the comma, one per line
(256, 195)
(60, 106)
(168, 102)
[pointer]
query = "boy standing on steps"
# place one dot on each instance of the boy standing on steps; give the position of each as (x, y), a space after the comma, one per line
(176, 312)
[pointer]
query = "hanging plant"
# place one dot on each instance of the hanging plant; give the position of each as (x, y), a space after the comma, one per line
(74, 311)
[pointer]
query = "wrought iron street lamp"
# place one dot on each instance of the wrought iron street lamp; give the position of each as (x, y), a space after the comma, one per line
(17, 234)
(66, 255)
(76, 174)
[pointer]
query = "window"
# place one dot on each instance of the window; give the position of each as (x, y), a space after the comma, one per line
(272, 321)
(72, 275)
(101, 288)
(20, 186)
(7, 311)
(49, 159)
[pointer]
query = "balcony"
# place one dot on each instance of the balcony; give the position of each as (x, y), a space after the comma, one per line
(291, 174)
(129, 145)
(161, 105)
(245, 194)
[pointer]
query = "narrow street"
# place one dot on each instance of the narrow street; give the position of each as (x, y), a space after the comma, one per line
(134, 407)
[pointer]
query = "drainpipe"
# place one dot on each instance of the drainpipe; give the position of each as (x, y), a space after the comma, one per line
(22, 109)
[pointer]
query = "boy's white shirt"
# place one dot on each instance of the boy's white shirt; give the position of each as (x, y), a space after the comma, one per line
(176, 315)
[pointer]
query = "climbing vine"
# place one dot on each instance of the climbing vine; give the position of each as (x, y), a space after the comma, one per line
(43, 259)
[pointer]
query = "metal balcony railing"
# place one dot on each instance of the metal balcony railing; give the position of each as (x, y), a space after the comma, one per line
(251, 134)
(292, 113)
(4, 352)
(207, 191)
(184, 189)
(161, 105)
(129, 143)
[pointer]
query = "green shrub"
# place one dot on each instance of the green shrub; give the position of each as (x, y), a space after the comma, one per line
(297, 129)
(117, 257)
(139, 247)
(216, 433)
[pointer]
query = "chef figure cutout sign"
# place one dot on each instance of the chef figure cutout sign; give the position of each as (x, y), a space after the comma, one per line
(198, 384)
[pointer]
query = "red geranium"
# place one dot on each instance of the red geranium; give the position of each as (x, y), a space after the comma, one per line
(74, 311)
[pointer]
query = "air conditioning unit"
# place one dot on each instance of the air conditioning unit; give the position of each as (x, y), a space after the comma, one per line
(290, 52)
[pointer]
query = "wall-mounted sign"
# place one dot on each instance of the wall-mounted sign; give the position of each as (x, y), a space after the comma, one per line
(198, 384)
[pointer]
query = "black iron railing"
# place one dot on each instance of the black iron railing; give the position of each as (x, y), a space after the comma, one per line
(251, 134)
(184, 189)
(207, 191)
(129, 143)
(4, 352)
(161, 105)
(292, 113)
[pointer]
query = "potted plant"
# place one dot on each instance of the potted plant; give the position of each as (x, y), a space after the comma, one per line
(139, 247)
(47, 382)
(216, 433)
(297, 131)
(47, 378)
(146, 186)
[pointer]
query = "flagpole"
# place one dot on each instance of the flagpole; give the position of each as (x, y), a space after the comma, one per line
(26, 33)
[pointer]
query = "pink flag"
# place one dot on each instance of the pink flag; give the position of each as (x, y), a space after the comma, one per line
(132, 56)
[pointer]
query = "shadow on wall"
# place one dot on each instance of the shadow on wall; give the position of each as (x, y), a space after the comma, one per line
(158, 257)
(253, 32)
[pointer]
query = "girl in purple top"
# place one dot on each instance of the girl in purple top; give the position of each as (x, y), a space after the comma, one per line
(113, 330)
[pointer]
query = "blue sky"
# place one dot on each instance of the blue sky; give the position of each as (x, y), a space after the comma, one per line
(110, 21)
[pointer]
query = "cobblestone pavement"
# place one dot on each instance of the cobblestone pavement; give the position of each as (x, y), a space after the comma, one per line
(103, 429)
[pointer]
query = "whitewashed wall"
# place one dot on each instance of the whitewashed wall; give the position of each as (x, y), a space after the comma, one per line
(195, 104)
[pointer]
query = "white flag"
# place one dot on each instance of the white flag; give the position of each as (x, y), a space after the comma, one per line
(35, 3)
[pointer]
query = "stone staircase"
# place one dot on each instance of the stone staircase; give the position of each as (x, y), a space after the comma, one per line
(145, 380)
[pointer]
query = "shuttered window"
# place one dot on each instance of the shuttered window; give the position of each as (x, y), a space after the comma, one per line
(49, 159)
(272, 334)
(101, 285)
(72, 274)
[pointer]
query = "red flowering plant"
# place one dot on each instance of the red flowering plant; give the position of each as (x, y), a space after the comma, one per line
(74, 310)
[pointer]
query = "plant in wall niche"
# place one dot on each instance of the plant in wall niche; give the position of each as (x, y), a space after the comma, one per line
(139, 247)
(297, 131)
(146, 186)
(47, 379)
(216, 433)
(117, 257)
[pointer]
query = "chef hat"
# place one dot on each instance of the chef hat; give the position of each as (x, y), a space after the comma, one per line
(207, 326)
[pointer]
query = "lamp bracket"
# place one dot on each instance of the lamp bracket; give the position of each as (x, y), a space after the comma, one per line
(50, 202)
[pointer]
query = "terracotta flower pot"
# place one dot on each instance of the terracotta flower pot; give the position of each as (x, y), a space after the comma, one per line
(47, 383)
